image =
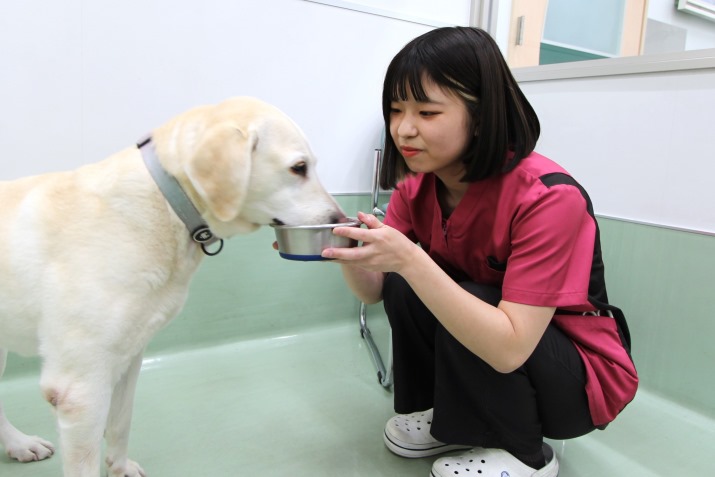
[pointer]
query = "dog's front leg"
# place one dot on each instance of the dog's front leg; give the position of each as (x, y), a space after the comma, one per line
(81, 402)
(119, 422)
(18, 445)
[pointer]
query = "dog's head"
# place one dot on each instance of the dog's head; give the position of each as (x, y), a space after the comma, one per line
(247, 164)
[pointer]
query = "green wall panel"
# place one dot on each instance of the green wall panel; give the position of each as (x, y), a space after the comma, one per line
(664, 280)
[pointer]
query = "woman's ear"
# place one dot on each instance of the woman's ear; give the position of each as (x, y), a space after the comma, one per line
(220, 170)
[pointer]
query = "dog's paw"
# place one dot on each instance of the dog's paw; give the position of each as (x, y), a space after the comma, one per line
(124, 468)
(28, 448)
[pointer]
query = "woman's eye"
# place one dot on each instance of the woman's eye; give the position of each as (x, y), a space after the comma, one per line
(429, 113)
(301, 168)
(394, 110)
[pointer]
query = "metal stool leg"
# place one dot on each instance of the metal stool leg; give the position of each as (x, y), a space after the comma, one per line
(384, 374)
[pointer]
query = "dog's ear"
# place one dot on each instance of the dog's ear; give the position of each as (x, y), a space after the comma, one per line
(220, 169)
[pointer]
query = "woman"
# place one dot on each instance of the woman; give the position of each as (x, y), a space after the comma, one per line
(490, 269)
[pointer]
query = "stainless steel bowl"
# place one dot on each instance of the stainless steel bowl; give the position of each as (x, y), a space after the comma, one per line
(306, 242)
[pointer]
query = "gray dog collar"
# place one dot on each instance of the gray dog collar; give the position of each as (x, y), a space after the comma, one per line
(177, 198)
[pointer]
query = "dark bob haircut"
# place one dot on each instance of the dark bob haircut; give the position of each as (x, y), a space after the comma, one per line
(467, 62)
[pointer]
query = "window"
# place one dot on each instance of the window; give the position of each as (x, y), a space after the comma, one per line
(542, 32)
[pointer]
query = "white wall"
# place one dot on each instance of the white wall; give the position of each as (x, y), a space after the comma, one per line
(428, 12)
(642, 145)
(82, 79)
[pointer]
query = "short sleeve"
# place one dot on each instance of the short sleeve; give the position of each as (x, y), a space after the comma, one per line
(553, 240)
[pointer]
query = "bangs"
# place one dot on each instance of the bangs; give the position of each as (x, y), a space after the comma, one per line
(406, 80)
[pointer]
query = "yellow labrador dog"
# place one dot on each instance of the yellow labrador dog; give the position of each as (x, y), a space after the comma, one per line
(93, 262)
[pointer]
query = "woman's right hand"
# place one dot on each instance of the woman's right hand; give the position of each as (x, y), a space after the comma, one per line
(383, 249)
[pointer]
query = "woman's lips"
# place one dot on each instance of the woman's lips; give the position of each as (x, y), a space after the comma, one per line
(409, 151)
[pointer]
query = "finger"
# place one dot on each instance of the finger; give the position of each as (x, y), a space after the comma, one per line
(370, 220)
(340, 253)
(275, 245)
(358, 233)
(361, 235)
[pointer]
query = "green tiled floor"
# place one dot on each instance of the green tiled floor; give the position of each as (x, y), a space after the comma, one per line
(288, 406)
(310, 405)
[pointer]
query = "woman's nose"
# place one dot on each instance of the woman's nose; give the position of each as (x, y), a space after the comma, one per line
(406, 127)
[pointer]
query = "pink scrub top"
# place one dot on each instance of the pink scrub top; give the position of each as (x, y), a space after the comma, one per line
(531, 232)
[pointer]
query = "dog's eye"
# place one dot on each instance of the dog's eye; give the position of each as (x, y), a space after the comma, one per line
(300, 168)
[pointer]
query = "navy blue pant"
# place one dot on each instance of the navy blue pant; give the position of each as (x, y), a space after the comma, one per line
(473, 403)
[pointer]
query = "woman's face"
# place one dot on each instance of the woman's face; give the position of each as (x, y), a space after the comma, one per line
(431, 135)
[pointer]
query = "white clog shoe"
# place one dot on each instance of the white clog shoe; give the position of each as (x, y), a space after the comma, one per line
(408, 435)
(480, 462)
